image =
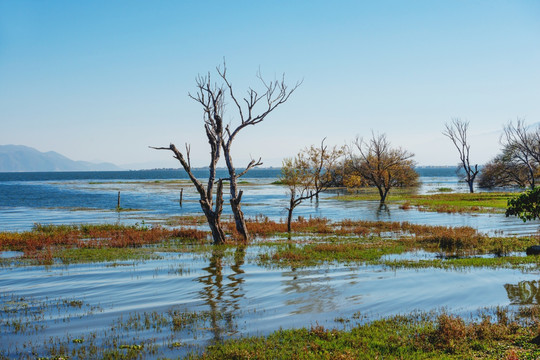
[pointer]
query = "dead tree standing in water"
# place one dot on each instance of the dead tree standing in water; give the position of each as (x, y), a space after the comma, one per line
(274, 94)
(457, 132)
(211, 98)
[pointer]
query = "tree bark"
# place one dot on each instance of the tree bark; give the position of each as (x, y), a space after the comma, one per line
(239, 221)
(236, 196)
(214, 216)
(471, 186)
(383, 196)
(289, 219)
(215, 227)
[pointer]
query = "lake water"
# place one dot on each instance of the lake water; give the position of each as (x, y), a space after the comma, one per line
(91, 197)
(239, 297)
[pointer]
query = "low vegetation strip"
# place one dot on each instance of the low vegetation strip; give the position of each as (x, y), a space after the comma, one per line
(400, 337)
(47, 242)
(316, 241)
(487, 202)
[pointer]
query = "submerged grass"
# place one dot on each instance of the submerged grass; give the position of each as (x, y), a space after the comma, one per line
(446, 202)
(368, 242)
(495, 333)
(416, 336)
(88, 243)
(316, 242)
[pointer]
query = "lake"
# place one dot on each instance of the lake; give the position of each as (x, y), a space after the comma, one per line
(91, 197)
(133, 302)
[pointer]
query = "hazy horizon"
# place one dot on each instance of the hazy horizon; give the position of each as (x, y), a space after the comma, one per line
(101, 81)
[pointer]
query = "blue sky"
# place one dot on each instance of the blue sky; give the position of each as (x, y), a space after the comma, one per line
(103, 80)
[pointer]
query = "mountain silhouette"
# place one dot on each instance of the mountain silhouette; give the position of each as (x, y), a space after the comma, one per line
(23, 158)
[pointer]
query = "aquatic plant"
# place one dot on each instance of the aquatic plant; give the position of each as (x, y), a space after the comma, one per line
(45, 242)
(414, 336)
(445, 202)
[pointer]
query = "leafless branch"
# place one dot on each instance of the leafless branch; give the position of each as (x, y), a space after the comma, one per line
(250, 166)
(457, 132)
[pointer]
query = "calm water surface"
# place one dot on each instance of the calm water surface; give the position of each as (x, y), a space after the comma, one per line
(241, 297)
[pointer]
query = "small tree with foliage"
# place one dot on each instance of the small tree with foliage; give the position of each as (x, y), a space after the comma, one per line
(308, 174)
(526, 206)
(378, 164)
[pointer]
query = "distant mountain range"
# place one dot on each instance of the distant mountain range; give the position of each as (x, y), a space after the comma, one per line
(23, 158)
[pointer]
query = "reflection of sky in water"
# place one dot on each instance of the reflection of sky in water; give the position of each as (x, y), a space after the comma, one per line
(23, 203)
(248, 299)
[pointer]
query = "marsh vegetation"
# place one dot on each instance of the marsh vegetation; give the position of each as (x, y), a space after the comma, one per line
(237, 288)
(151, 284)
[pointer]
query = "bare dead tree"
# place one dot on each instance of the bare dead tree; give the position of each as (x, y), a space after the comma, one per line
(522, 146)
(211, 97)
(380, 165)
(503, 171)
(457, 132)
(251, 110)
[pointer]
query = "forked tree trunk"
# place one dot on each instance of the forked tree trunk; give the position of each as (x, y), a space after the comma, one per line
(215, 227)
(214, 216)
(382, 194)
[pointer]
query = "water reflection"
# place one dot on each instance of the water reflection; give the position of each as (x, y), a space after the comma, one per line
(311, 291)
(222, 293)
(383, 211)
(524, 292)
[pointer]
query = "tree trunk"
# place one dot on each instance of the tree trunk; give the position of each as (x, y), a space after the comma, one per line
(471, 185)
(215, 226)
(236, 196)
(382, 194)
(289, 219)
(214, 216)
(239, 217)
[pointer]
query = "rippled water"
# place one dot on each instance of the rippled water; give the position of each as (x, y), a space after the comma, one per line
(48, 199)
(248, 298)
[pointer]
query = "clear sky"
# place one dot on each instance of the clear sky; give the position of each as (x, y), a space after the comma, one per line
(103, 80)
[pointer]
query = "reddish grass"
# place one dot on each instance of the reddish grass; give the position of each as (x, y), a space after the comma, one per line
(263, 227)
(453, 335)
(41, 242)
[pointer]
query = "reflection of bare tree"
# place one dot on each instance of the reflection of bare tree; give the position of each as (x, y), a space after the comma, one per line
(524, 293)
(222, 294)
(236, 279)
(311, 290)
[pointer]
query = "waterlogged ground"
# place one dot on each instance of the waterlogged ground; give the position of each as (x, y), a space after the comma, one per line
(184, 301)
(174, 303)
(24, 203)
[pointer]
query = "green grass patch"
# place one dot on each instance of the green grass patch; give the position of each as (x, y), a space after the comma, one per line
(511, 262)
(488, 202)
(89, 255)
(298, 255)
(417, 336)
(444, 189)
